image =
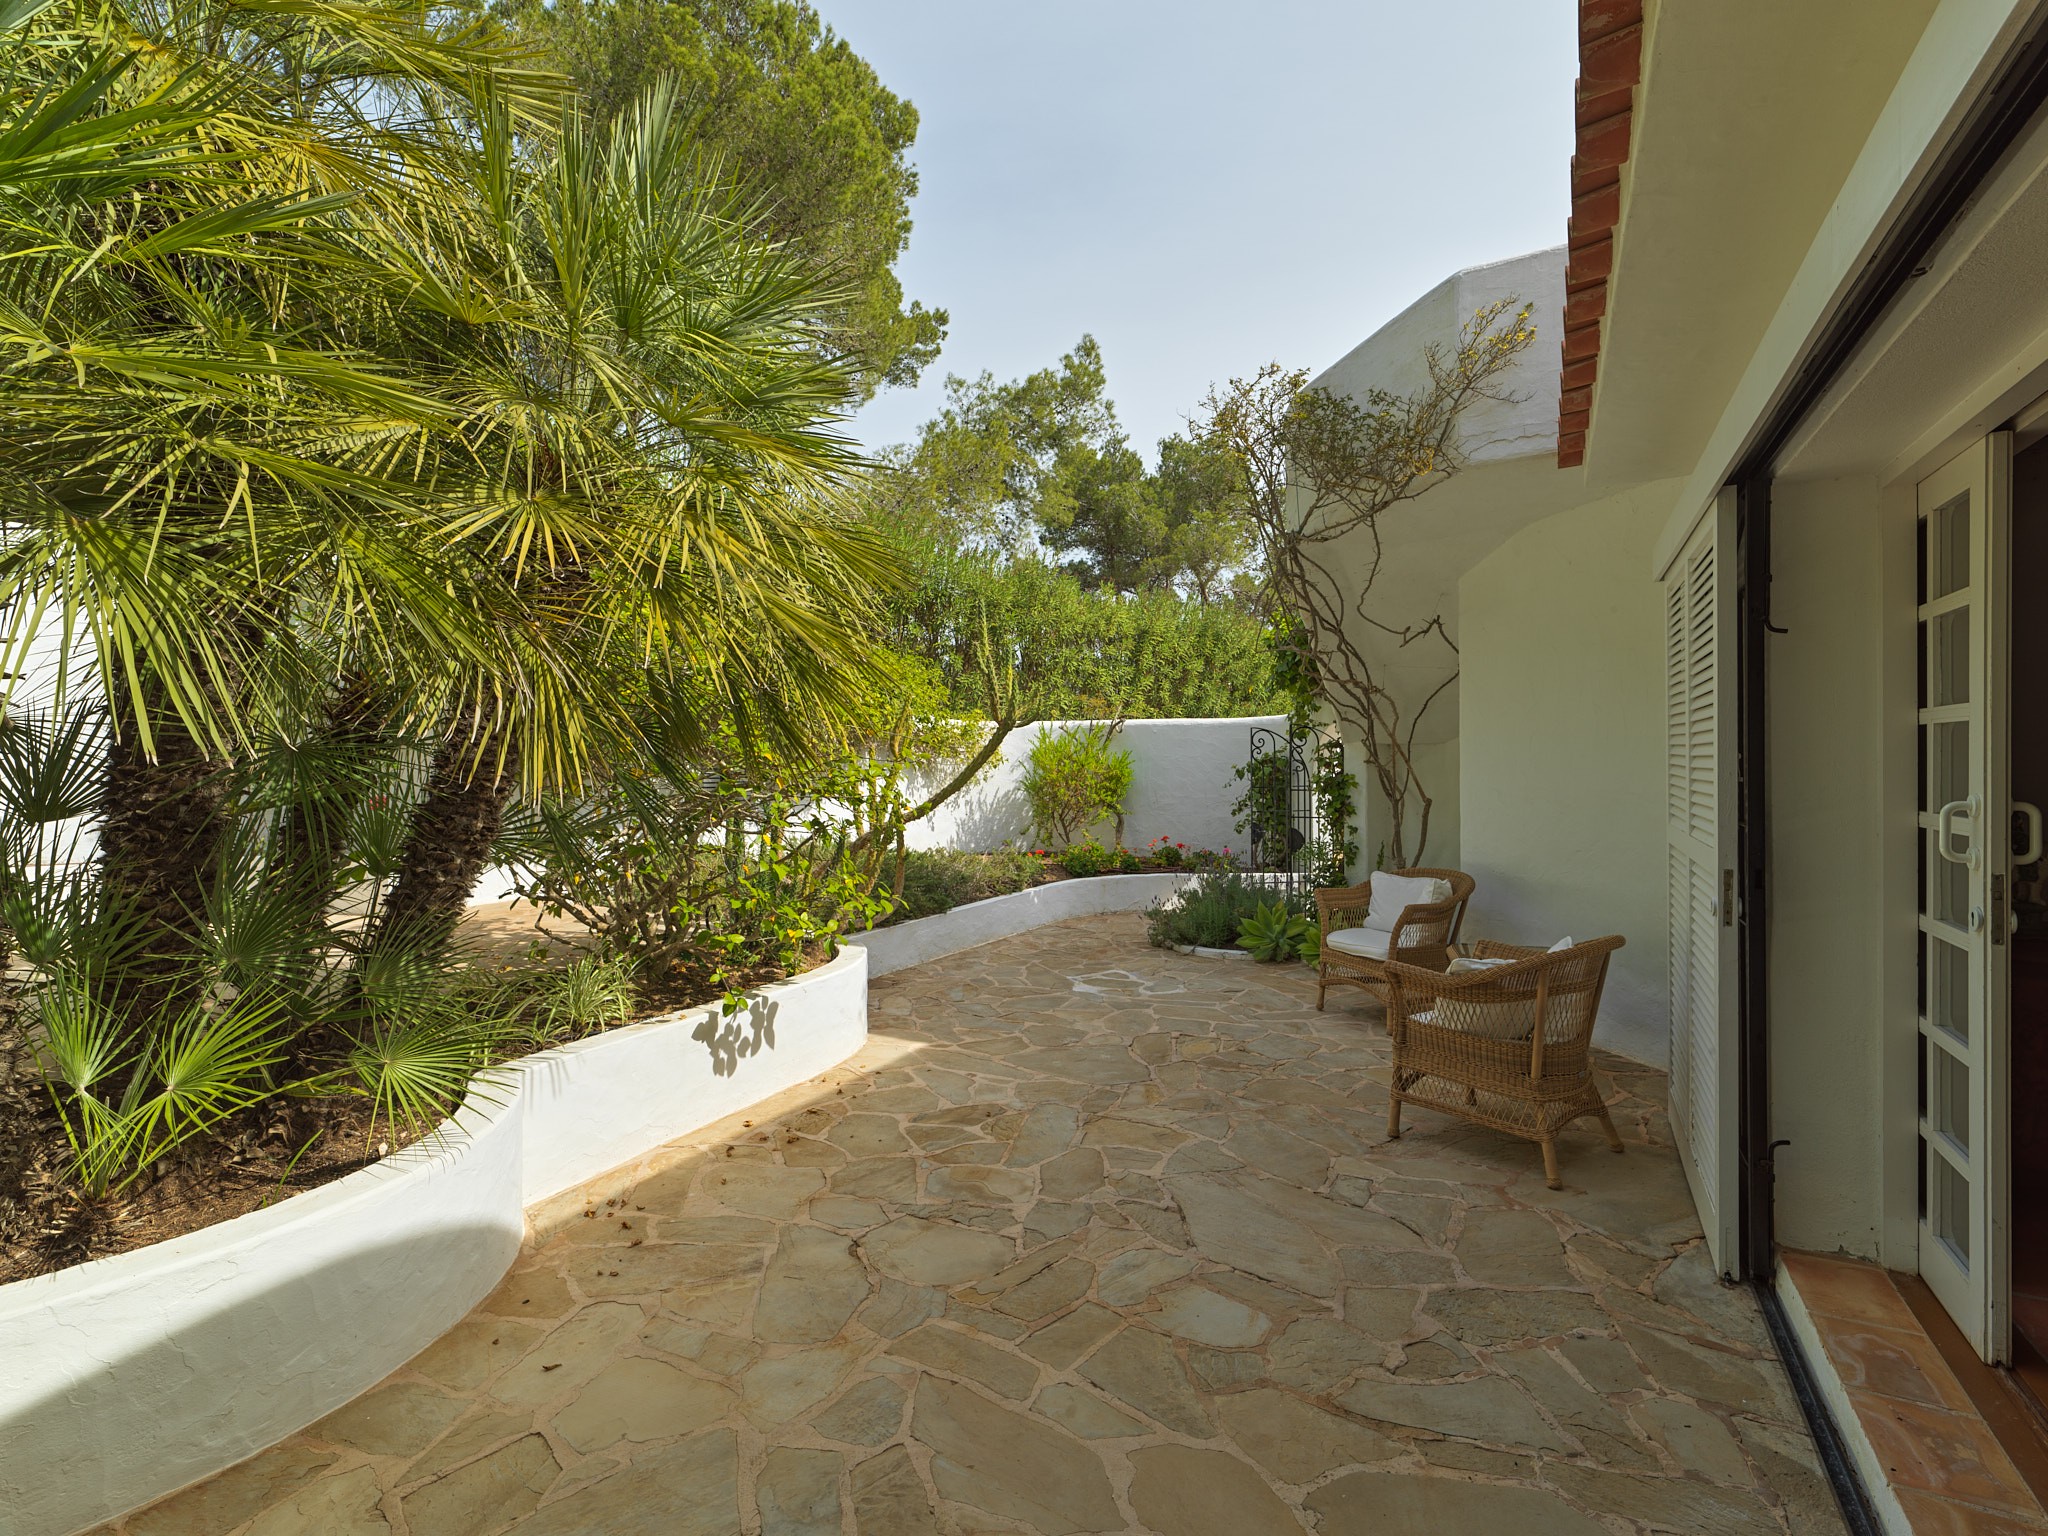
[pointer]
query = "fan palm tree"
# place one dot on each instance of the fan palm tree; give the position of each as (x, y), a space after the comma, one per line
(656, 468)
(340, 366)
(176, 378)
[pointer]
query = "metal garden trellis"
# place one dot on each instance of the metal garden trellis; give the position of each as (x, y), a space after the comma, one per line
(1282, 812)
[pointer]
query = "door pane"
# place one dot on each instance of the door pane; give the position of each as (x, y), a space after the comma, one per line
(1948, 548)
(1949, 896)
(1951, 1213)
(1949, 1104)
(1948, 763)
(1948, 987)
(1946, 637)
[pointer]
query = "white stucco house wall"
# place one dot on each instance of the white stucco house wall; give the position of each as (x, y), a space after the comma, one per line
(1535, 582)
(1742, 583)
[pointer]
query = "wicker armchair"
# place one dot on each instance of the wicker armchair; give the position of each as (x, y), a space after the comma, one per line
(1509, 1046)
(1422, 936)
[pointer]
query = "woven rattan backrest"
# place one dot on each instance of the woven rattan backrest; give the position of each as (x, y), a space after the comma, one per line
(1462, 886)
(1561, 987)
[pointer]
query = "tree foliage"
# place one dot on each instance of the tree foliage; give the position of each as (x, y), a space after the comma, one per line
(796, 116)
(1041, 465)
(1075, 653)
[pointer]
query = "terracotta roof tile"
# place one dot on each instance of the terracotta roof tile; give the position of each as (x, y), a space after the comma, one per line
(1586, 307)
(1597, 18)
(1591, 108)
(1592, 261)
(1610, 67)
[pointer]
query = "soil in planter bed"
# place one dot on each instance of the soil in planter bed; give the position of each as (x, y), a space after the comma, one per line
(269, 1153)
(46, 1224)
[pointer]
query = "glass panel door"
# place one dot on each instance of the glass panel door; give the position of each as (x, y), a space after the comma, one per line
(1964, 871)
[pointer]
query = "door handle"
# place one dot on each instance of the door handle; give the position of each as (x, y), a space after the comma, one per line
(1945, 831)
(2028, 852)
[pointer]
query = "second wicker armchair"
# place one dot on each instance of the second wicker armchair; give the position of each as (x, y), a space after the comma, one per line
(1409, 915)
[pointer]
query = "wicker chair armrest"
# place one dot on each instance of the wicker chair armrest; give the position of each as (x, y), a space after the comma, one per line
(1425, 986)
(1345, 896)
(1422, 984)
(1339, 901)
(1435, 914)
(1410, 989)
(1493, 949)
(1524, 955)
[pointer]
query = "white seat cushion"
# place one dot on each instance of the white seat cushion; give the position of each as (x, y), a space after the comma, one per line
(1395, 893)
(1567, 942)
(1466, 963)
(1367, 943)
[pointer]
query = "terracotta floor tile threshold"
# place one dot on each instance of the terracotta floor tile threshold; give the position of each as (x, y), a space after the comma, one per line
(1959, 1451)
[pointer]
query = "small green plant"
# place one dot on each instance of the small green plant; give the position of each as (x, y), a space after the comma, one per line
(1085, 859)
(1308, 949)
(593, 993)
(1273, 933)
(1167, 855)
(125, 1107)
(1073, 779)
(1207, 912)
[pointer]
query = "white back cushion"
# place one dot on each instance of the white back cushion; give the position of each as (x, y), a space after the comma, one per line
(1394, 894)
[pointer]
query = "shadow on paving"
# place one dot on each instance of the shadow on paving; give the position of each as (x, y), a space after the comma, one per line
(1091, 1238)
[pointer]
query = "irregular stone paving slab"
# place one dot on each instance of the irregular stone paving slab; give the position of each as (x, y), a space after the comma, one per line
(1090, 1237)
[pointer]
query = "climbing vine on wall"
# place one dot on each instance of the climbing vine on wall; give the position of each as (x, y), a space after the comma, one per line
(1336, 794)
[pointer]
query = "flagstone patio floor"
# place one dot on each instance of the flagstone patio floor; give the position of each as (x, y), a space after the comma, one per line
(1091, 1238)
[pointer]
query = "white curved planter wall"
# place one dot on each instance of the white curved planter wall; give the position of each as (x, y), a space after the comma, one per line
(126, 1378)
(603, 1101)
(927, 938)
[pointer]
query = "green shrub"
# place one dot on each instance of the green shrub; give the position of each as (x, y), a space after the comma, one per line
(1274, 933)
(1086, 859)
(938, 880)
(1208, 912)
(565, 1002)
(1309, 949)
(1165, 854)
(1073, 779)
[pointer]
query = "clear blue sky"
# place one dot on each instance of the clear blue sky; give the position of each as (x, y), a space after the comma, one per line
(1208, 184)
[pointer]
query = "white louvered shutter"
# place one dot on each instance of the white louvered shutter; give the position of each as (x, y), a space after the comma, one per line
(1699, 714)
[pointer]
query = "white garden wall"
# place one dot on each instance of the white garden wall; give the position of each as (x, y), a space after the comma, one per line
(980, 922)
(126, 1378)
(1182, 786)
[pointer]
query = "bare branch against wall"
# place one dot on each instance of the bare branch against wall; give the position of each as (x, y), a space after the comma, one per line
(1320, 471)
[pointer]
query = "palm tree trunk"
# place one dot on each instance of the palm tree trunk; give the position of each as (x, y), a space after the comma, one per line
(447, 844)
(159, 845)
(312, 850)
